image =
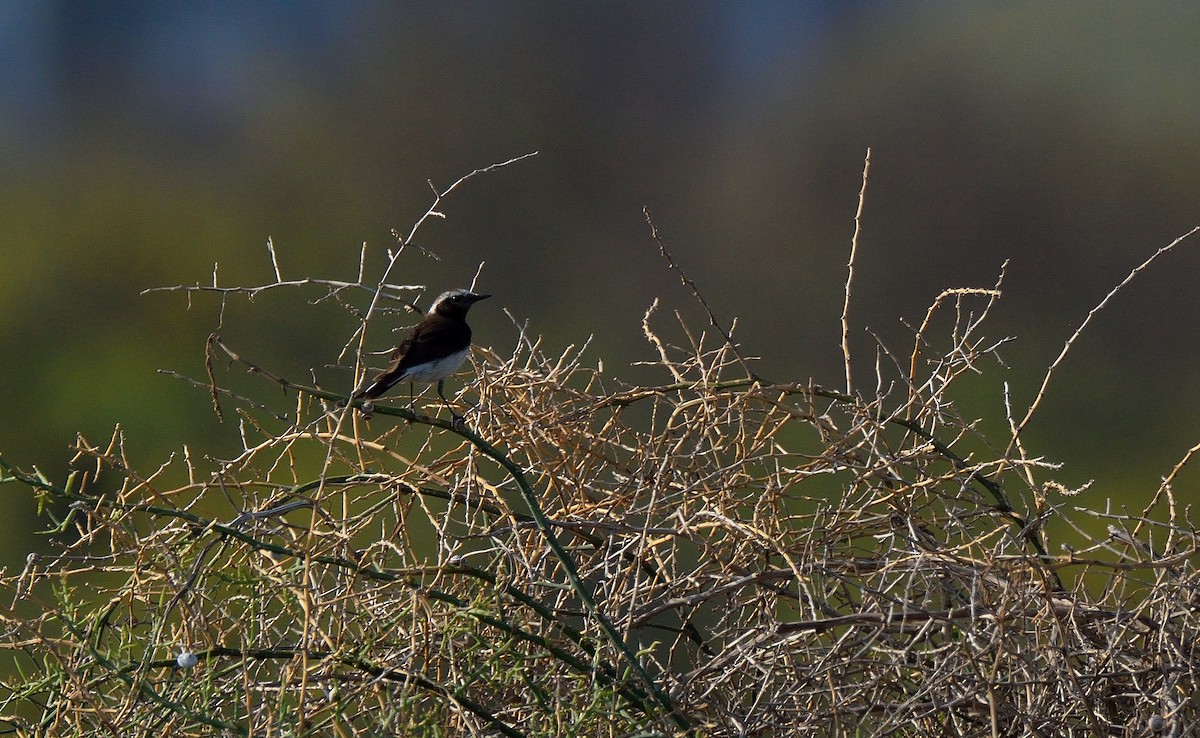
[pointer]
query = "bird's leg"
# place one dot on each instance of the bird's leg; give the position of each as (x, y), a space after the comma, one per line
(412, 401)
(441, 386)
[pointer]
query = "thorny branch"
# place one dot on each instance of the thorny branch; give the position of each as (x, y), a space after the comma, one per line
(862, 197)
(712, 318)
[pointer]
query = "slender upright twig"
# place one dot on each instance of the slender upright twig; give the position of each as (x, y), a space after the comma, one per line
(862, 197)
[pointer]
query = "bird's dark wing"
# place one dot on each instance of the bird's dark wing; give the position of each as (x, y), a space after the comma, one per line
(395, 363)
(429, 341)
(418, 347)
(385, 379)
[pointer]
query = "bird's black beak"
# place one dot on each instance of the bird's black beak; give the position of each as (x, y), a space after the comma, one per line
(477, 298)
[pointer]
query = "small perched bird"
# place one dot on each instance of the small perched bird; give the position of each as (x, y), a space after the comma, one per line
(434, 349)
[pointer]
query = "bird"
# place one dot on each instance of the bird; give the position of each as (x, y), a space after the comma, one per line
(434, 349)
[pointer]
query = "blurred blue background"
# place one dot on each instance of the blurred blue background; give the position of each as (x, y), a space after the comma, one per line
(142, 143)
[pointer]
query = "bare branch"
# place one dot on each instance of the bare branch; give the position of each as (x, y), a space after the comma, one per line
(712, 318)
(862, 196)
(1091, 314)
(274, 260)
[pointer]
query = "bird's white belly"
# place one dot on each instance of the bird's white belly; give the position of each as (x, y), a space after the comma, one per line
(437, 370)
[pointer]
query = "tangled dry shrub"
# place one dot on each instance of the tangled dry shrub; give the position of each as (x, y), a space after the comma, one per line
(712, 555)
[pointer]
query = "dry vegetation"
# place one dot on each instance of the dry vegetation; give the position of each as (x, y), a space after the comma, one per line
(715, 554)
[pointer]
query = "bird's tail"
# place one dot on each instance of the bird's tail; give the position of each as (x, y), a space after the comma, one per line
(370, 392)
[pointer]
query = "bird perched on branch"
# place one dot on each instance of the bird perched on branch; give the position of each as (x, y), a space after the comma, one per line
(434, 349)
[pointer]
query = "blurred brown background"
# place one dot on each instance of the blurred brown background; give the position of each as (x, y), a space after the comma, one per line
(141, 143)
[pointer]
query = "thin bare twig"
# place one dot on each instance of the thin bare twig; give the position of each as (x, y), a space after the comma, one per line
(212, 378)
(274, 260)
(862, 196)
(1041, 393)
(334, 285)
(691, 285)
